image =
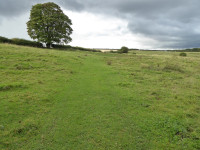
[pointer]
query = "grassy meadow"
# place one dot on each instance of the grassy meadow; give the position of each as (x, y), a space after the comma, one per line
(77, 100)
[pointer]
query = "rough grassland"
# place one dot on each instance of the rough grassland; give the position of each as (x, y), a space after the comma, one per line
(82, 100)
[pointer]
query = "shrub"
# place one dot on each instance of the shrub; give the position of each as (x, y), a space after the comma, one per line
(123, 50)
(67, 47)
(24, 42)
(61, 47)
(183, 54)
(4, 40)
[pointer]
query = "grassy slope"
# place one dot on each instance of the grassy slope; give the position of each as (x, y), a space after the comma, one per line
(74, 100)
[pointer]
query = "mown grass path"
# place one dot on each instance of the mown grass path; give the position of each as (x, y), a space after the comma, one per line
(90, 114)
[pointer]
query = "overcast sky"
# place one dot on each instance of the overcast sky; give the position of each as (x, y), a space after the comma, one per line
(145, 24)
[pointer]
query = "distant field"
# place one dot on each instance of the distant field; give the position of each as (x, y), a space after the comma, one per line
(107, 50)
(78, 100)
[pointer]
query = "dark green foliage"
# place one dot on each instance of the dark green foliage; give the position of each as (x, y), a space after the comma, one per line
(29, 43)
(24, 42)
(61, 47)
(86, 49)
(48, 24)
(191, 50)
(183, 54)
(4, 40)
(68, 47)
(123, 50)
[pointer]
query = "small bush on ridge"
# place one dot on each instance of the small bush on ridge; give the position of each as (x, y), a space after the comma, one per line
(183, 54)
(62, 47)
(123, 50)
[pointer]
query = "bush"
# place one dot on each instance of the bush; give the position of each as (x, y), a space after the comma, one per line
(4, 40)
(24, 42)
(183, 54)
(123, 50)
(67, 47)
(61, 47)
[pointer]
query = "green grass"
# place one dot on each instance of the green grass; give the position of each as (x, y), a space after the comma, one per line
(82, 100)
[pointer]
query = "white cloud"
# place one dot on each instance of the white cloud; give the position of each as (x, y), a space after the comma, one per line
(98, 31)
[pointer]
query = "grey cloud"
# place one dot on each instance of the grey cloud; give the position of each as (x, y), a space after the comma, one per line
(173, 23)
(13, 8)
(72, 4)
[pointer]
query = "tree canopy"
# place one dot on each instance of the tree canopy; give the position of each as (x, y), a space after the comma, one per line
(123, 49)
(48, 24)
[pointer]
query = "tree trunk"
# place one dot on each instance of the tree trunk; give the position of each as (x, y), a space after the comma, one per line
(48, 45)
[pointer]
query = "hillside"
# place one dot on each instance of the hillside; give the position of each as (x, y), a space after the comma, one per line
(51, 99)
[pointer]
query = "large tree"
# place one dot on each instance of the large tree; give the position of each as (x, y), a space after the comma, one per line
(48, 24)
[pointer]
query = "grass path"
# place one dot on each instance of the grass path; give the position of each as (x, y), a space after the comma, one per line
(90, 113)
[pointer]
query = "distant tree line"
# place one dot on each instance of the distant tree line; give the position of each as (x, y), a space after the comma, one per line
(190, 50)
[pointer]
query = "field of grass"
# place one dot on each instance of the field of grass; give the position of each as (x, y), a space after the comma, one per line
(58, 100)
